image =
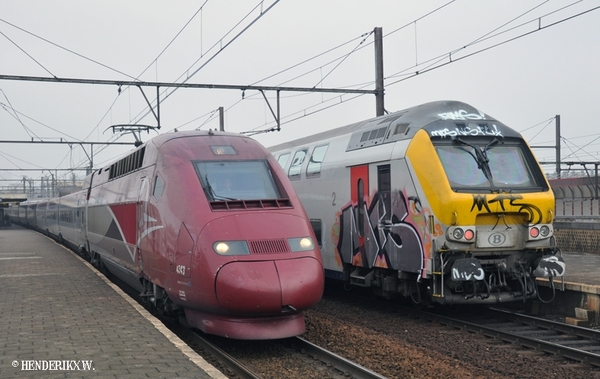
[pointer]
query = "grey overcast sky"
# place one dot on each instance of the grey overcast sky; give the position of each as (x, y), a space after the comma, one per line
(522, 62)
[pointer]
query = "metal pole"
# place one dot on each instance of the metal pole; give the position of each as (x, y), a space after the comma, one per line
(158, 107)
(278, 113)
(557, 118)
(221, 119)
(379, 106)
(596, 184)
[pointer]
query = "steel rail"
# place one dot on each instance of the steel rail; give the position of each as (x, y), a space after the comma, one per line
(530, 341)
(234, 367)
(561, 327)
(342, 365)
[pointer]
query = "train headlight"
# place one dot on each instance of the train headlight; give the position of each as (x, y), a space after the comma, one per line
(461, 234)
(301, 244)
(231, 248)
(458, 233)
(539, 232)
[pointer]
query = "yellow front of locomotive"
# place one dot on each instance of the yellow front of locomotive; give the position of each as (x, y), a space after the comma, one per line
(495, 207)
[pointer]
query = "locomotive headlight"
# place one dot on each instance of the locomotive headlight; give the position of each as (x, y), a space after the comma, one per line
(457, 233)
(461, 234)
(231, 248)
(540, 231)
(301, 244)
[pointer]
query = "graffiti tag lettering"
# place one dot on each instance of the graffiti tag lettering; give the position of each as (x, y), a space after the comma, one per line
(461, 115)
(468, 130)
(478, 274)
(534, 213)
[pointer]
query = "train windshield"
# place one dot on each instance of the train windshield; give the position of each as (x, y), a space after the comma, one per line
(488, 165)
(236, 180)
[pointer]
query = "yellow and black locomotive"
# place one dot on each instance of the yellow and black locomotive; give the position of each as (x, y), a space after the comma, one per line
(439, 202)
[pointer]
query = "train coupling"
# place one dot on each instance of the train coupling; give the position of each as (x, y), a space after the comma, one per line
(550, 266)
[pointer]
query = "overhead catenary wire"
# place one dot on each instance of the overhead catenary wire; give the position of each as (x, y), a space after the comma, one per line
(386, 35)
(11, 111)
(66, 49)
(486, 36)
(168, 94)
(449, 59)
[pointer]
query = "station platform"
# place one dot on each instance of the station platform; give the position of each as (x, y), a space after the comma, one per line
(61, 318)
(582, 273)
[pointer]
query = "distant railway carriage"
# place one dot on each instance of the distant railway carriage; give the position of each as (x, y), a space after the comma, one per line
(439, 202)
(204, 224)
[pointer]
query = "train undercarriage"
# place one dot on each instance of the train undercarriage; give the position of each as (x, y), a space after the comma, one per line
(465, 278)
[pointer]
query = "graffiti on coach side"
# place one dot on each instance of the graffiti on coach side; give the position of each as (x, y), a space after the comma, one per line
(387, 241)
(482, 202)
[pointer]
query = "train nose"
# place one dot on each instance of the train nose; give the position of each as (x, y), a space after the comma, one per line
(269, 286)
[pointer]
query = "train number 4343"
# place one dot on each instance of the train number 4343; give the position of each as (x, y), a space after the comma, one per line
(180, 269)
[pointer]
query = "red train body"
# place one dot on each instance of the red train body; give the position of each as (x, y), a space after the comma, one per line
(203, 223)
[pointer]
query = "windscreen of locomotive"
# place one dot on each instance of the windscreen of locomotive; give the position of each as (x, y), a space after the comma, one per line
(237, 180)
(507, 164)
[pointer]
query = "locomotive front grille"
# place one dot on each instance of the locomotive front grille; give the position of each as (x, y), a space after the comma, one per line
(269, 246)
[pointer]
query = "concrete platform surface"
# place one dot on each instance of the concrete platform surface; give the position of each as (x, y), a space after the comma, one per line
(60, 318)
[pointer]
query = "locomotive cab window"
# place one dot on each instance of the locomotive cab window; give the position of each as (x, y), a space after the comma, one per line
(237, 180)
(489, 164)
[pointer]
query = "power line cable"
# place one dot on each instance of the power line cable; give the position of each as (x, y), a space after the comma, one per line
(545, 126)
(166, 92)
(11, 111)
(29, 55)
(160, 54)
(343, 59)
(453, 60)
(174, 38)
(41, 123)
(68, 50)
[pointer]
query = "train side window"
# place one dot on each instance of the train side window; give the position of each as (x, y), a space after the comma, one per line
(283, 158)
(296, 166)
(159, 186)
(313, 169)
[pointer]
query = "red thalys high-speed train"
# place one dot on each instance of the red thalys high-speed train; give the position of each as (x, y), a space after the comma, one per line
(204, 223)
(439, 202)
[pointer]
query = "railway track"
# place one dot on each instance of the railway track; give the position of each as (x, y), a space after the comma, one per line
(320, 358)
(223, 353)
(556, 338)
(553, 338)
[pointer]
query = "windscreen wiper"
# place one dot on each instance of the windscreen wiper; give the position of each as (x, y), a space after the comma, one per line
(212, 192)
(480, 156)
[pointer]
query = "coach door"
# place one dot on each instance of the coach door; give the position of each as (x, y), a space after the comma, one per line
(381, 215)
(359, 193)
(142, 217)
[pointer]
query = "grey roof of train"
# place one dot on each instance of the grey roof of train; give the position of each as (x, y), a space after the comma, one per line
(418, 117)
